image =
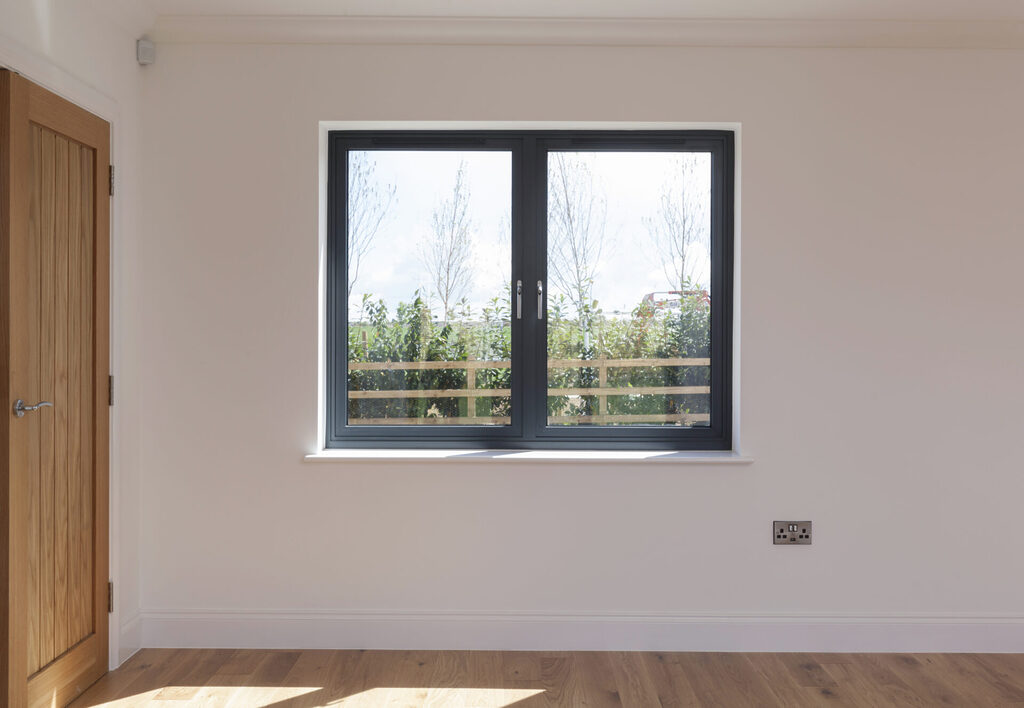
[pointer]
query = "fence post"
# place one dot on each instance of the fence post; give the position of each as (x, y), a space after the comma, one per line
(602, 381)
(470, 387)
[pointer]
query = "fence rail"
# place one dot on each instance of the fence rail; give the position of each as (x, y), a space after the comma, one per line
(602, 391)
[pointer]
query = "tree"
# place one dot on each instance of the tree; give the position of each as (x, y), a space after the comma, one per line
(576, 229)
(681, 223)
(446, 252)
(368, 205)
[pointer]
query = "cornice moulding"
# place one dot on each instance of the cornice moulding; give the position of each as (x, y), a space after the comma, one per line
(202, 29)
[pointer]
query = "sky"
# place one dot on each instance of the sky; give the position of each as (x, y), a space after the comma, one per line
(631, 183)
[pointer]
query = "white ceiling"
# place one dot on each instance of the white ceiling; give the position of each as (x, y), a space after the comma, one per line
(914, 10)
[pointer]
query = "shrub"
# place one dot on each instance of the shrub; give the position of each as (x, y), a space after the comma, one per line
(413, 335)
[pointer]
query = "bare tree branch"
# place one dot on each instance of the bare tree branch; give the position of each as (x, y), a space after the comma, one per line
(446, 252)
(576, 228)
(368, 205)
(681, 224)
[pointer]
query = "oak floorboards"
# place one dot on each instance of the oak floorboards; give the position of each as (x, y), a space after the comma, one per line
(226, 678)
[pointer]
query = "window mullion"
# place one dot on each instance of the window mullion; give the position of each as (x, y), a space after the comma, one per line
(533, 350)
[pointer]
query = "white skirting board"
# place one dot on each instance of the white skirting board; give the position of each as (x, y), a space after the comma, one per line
(624, 632)
(131, 637)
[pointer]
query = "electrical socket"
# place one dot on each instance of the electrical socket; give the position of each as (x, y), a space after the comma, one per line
(791, 533)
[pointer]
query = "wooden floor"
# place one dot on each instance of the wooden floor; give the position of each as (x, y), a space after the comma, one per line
(303, 679)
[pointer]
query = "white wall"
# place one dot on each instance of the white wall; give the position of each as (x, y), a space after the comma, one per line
(86, 53)
(881, 345)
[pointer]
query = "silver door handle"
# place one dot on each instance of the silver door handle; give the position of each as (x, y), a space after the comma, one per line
(540, 299)
(519, 299)
(20, 409)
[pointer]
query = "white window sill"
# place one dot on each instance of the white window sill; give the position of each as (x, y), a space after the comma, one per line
(585, 456)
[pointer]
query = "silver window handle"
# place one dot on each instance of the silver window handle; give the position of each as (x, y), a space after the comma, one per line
(519, 299)
(20, 409)
(540, 299)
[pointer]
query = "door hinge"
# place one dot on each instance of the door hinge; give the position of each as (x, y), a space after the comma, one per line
(110, 390)
(110, 596)
(111, 180)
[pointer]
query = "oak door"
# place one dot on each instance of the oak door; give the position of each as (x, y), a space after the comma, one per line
(54, 224)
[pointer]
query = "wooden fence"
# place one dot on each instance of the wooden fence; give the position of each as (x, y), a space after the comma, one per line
(603, 390)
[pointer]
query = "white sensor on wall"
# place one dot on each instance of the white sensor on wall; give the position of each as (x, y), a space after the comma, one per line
(145, 52)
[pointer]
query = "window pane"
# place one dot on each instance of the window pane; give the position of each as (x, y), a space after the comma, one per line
(629, 277)
(429, 277)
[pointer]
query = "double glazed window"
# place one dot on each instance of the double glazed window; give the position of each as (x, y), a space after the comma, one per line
(567, 289)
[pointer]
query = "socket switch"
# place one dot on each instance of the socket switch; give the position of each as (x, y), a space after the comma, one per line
(791, 533)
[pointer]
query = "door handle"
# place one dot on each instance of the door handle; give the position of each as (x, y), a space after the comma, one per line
(540, 299)
(20, 409)
(519, 299)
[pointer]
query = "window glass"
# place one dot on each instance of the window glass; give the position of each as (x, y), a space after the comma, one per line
(428, 277)
(629, 274)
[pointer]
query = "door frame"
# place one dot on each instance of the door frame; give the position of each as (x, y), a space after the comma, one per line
(27, 102)
(124, 625)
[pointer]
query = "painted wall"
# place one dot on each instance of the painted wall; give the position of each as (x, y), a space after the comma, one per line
(87, 54)
(880, 356)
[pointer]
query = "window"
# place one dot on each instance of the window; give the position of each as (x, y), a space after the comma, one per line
(538, 289)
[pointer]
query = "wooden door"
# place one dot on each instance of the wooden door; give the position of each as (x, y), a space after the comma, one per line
(54, 265)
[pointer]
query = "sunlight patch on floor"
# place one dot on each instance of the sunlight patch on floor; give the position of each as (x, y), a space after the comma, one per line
(198, 695)
(412, 696)
(401, 696)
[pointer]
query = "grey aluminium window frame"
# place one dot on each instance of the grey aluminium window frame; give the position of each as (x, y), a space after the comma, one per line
(529, 429)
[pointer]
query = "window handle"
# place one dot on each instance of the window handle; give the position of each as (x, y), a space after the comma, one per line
(540, 299)
(20, 409)
(519, 299)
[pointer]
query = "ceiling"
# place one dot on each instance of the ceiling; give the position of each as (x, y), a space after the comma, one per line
(885, 10)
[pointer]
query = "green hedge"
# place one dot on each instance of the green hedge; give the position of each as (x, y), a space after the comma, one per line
(411, 334)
